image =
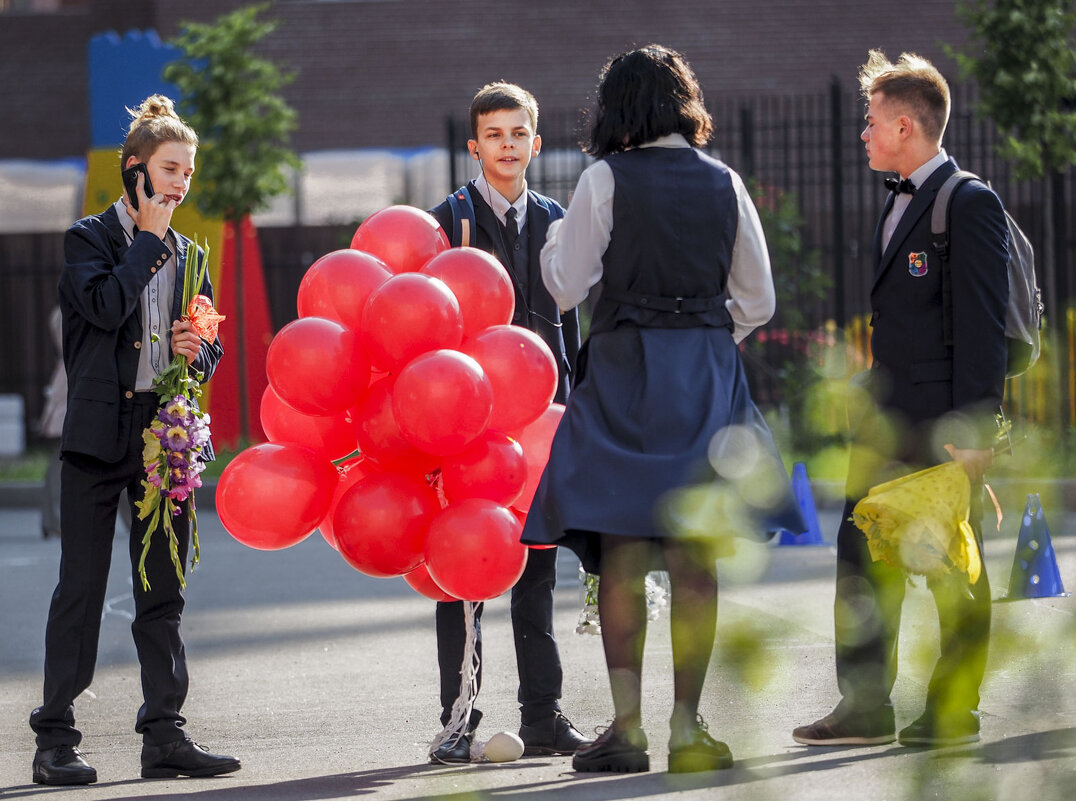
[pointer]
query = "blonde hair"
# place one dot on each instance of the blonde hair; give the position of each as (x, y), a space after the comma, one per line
(154, 122)
(914, 83)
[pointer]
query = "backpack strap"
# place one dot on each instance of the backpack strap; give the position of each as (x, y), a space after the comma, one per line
(463, 222)
(939, 216)
(939, 237)
(554, 209)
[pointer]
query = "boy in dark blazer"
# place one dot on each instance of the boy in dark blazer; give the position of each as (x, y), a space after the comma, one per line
(121, 293)
(510, 222)
(937, 392)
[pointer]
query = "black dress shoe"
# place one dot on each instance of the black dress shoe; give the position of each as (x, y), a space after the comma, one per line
(183, 758)
(454, 751)
(555, 735)
(695, 750)
(62, 765)
(614, 752)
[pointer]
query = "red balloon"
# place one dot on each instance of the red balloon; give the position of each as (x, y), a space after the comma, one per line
(379, 436)
(492, 467)
(317, 366)
(273, 495)
(473, 550)
(481, 285)
(407, 315)
(338, 284)
(403, 237)
(348, 475)
(381, 523)
(333, 437)
(442, 401)
(419, 580)
(522, 371)
(536, 440)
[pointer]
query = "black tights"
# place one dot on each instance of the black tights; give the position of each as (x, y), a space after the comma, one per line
(692, 568)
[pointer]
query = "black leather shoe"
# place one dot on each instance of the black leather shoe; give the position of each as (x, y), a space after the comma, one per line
(695, 750)
(614, 752)
(183, 758)
(62, 765)
(555, 735)
(454, 751)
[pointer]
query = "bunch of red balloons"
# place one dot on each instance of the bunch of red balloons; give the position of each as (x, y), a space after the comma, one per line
(407, 419)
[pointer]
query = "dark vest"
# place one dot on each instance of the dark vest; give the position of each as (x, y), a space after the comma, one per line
(675, 216)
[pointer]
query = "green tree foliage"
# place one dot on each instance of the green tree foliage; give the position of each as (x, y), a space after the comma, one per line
(230, 96)
(1024, 60)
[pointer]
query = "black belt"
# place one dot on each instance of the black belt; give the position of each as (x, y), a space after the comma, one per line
(677, 305)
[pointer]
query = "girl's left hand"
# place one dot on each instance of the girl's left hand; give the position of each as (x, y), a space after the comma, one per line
(185, 340)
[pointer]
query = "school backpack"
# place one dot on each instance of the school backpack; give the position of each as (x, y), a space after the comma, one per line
(463, 223)
(1024, 314)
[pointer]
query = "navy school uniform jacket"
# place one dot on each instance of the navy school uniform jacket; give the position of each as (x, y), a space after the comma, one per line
(922, 377)
(100, 295)
(544, 316)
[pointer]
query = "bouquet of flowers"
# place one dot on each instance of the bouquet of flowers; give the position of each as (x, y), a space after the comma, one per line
(919, 522)
(175, 440)
(656, 587)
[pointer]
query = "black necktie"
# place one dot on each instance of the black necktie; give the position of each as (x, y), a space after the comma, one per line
(898, 186)
(511, 230)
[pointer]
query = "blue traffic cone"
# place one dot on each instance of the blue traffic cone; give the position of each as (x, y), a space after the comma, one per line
(1034, 570)
(801, 488)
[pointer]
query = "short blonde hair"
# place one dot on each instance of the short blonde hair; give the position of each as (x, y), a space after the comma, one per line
(155, 122)
(913, 82)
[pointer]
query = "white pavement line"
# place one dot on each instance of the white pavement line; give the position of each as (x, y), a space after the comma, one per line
(21, 561)
(110, 608)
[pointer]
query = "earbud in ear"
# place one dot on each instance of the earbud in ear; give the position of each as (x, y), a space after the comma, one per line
(475, 154)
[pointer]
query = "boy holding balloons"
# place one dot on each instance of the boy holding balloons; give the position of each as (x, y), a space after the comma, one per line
(498, 214)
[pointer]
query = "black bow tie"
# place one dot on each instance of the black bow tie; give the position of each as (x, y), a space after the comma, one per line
(898, 186)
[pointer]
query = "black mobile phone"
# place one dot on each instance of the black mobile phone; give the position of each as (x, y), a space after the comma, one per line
(130, 182)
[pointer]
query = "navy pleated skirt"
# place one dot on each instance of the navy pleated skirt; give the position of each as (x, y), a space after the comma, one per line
(660, 438)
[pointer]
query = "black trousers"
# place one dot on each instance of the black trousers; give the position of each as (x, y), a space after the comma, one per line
(537, 657)
(91, 492)
(867, 624)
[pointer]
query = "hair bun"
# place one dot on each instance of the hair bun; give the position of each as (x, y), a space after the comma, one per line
(152, 107)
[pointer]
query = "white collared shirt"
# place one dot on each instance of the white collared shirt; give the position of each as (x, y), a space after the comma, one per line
(572, 256)
(156, 307)
(901, 201)
(499, 203)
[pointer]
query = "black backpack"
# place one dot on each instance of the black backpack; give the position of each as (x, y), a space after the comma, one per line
(463, 222)
(1024, 314)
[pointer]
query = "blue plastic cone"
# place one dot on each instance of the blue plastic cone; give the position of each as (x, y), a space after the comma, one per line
(801, 488)
(1034, 570)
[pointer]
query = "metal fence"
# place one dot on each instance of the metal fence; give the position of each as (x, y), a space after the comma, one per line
(805, 145)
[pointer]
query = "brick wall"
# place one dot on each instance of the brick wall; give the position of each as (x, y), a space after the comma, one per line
(387, 73)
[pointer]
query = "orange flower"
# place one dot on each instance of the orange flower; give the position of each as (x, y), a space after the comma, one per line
(204, 318)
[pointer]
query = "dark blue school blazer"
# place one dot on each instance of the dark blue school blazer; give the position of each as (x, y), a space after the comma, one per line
(100, 296)
(916, 372)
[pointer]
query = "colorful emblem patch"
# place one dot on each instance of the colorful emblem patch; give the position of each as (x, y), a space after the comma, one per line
(917, 264)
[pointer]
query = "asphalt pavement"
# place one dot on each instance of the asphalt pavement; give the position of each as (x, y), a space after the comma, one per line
(324, 682)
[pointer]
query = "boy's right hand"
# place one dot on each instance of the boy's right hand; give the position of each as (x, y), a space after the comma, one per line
(154, 214)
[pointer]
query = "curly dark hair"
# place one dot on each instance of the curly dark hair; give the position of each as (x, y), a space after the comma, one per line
(645, 94)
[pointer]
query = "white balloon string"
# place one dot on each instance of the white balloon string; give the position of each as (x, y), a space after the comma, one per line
(460, 720)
